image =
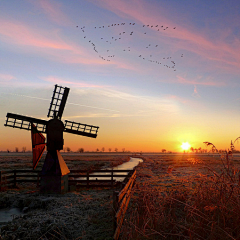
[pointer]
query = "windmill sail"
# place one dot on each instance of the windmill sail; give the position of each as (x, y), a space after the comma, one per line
(38, 145)
(81, 129)
(58, 102)
(24, 122)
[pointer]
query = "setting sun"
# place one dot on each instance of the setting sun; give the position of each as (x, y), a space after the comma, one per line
(185, 146)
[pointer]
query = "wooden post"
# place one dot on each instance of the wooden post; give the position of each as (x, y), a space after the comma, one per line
(87, 179)
(0, 181)
(112, 178)
(15, 179)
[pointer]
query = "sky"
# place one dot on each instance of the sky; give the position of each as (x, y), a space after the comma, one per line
(151, 74)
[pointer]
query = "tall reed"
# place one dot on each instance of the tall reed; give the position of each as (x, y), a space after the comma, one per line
(210, 210)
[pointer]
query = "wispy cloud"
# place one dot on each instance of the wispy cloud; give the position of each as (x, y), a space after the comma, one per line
(53, 11)
(195, 92)
(199, 81)
(129, 104)
(57, 80)
(6, 77)
(21, 34)
(52, 45)
(222, 54)
(49, 41)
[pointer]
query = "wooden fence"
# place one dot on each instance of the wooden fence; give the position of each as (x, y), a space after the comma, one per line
(120, 202)
(87, 179)
(77, 178)
(10, 178)
(80, 178)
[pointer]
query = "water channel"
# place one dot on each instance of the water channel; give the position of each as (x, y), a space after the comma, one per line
(133, 162)
(7, 214)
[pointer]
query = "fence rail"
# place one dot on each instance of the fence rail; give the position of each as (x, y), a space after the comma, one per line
(77, 178)
(120, 202)
(121, 199)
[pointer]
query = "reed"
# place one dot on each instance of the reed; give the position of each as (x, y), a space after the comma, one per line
(207, 210)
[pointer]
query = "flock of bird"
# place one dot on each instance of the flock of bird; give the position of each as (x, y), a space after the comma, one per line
(108, 42)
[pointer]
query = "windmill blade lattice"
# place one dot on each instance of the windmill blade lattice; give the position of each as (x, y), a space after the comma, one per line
(81, 129)
(54, 174)
(24, 122)
(58, 102)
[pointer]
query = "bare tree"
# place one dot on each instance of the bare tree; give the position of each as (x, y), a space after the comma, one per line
(16, 149)
(103, 149)
(164, 150)
(97, 150)
(116, 149)
(109, 149)
(24, 149)
(81, 150)
(68, 149)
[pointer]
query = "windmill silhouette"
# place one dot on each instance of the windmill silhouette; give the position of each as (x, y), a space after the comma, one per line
(54, 175)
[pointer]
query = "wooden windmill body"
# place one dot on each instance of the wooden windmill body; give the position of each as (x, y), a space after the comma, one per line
(54, 175)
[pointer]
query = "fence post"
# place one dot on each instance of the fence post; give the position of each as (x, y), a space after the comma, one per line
(15, 179)
(87, 179)
(0, 181)
(112, 178)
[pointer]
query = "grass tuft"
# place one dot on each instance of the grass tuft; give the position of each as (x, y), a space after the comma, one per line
(209, 209)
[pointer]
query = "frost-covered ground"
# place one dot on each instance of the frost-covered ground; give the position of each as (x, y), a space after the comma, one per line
(85, 214)
(75, 215)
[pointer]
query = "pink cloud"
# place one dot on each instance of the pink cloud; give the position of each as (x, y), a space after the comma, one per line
(195, 92)
(53, 46)
(53, 11)
(57, 80)
(22, 35)
(6, 77)
(198, 81)
(178, 99)
(223, 55)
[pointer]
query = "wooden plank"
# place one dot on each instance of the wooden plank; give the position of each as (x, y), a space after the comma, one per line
(126, 196)
(26, 180)
(90, 181)
(94, 185)
(103, 171)
(119, 223)
(122, 193)
(84, 176)
(123, 203)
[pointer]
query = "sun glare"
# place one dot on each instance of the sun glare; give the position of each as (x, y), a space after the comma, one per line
(185, 146)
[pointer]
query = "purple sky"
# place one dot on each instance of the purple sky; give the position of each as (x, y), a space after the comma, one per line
(150, 74)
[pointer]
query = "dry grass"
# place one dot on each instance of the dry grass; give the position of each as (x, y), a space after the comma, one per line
(203, 204)
(74, 161)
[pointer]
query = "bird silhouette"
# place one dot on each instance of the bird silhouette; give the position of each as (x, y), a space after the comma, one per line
(150, 55)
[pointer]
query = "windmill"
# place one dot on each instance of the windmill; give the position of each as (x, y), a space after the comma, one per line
(54, 175)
